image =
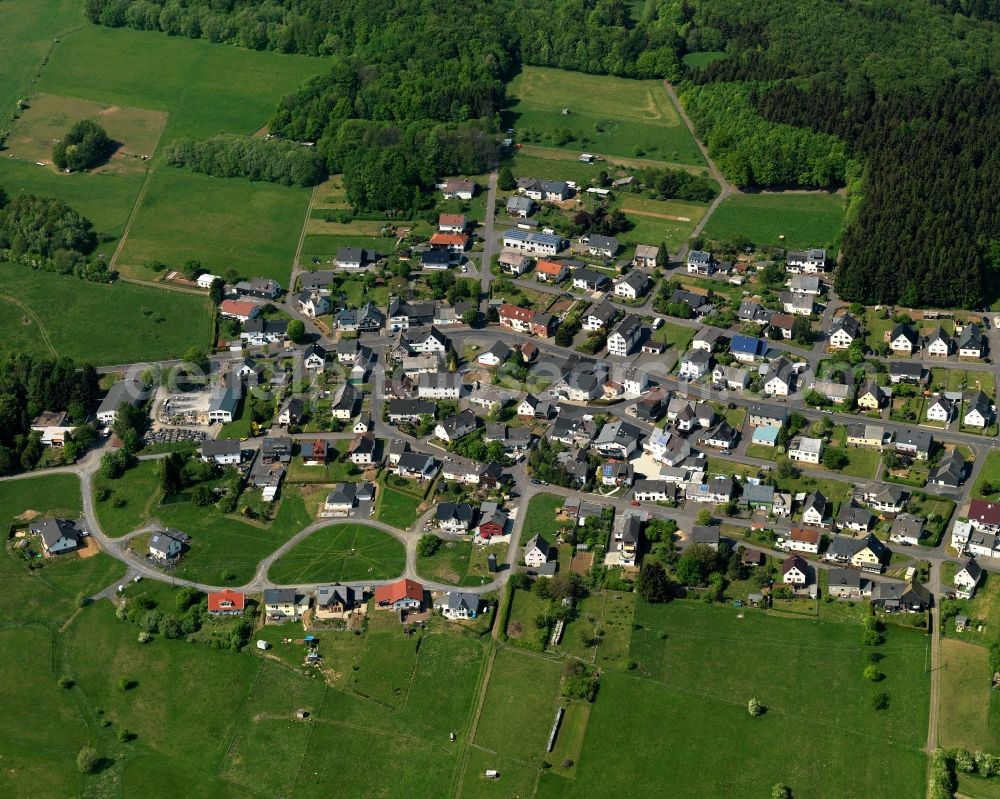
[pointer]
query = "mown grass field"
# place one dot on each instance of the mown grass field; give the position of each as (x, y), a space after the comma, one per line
(805, 220)
(189, 88)
(989, 474)
(964, 718)
(131, 499)
(396, 508)
(459, 563)
(698, 666)
(97, 323)
(607, 115)
(341, 553)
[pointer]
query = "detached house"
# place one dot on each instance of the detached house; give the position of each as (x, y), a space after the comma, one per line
(794, 571)
(950, 470)
(646, 256)
(939, 344)
(805, 450)
(458, 189)
(536, 552)
(779, 378)
(802, 540)
(285, 603)
(978, 411)
(815, 510)
(967, 579)
(972, 342)
(903, 340)
(695, 364)
(58, 535)
(810, 262)
(550, 271)
(520, 207)
(699, 263)
(845, 331)
(400, 595)
(940, 409)
(625, 336)
(600, 246)
(871, 397)
(632, 286)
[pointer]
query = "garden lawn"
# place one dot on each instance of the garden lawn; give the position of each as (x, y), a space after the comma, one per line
(396, 508)
(862, 462)
(341, 553)
(673, 335)
(541, 517)
(97, 323)
(989, 474)
(805, 220)
(131, 499)
(460, 563)
(607, 115)
(699, 665)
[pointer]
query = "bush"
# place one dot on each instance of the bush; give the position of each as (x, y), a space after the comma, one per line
(754, 707)
(124, 735)
(66, 681)
(880, 701)
(428, 545)
(86, 760)
(872, 673)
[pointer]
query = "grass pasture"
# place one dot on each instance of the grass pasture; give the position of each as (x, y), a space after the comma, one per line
(805, 220)
(611, 116)
(698, 666)
(48, 117)
(964, 719)
(341, 553)
(131, 499)
(97, 323)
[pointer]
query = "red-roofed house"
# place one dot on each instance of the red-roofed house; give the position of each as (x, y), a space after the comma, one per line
(550, 271)
(803, 540)
(451, 223)
(236, 309)
(449, 241)
(400, 595)
(315, 455)
(226, 602)
(515, 317)
(985, 515)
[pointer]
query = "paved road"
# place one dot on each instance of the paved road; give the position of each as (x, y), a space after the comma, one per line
(489, 241)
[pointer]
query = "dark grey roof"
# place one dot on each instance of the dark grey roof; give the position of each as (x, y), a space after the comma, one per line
(461, 512)
(51, 530)
(539, 542)
(705, 534)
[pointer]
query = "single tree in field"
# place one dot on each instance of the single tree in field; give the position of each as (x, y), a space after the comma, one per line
(296, 330)
(85, 145)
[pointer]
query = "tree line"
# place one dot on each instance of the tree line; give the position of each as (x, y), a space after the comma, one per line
(29, 386)
(45, 233)
(230, 156)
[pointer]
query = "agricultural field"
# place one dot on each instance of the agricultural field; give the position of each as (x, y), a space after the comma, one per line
(599, 114)
(805, 220)
(967, 717)
(341, 553)
(149, 89)
(92, 319)
(698, 666)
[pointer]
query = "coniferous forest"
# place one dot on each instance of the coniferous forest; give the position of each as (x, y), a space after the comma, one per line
(898, 100)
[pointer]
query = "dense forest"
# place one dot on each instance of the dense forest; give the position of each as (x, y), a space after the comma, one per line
(29, 386)
(895, 99)
(228, 156)
(912, 93)
(46, 233)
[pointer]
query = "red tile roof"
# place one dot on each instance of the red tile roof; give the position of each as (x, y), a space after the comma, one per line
(237, 307)
(226, 600)
(450, 220)
(401, 589)
(449, 240)
(981, 510)
(319, 448)
(508, 311)
(549, 267)
(806, 536)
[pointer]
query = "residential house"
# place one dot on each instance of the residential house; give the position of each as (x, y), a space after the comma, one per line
(340, 500)
(967, 579)
(847, 584)
(687, 414)
(537, 551)
(783, 322)
(972, 343)
(914, 443)
(600, 316)
(699, 263)
(716, 491)
(313, 304)
(164, 546)
(695, 364)
(405, 410)
(600, 246)
(544, 190)
(590, 280)
(285, 603)
(816, 510)
(779, 378)
(258, 332)
(625, 336)
(520, 207)
(722, 437)
(805, 449)
(653, 491)
(766, 415)
(940, 409)
(872, 396)
(314, 357)
(906, 529)
(292, 411)
(494, 356)
(949, 471)
(347, 402)
(365, 319)
(240, 310)
(321, 281)
(870, 436)
(985, 516)
(550, 271)
(766, 436)
(939, 344)
(804, 284)
(794, 571)
(854, 517)
(708, 535)
(259, 288)
(334, 601)
(912, 373)
(437, 259)
(893, 597)
(458, 605)
(224, 452)
(886, 497)
(758, 497)
(903, 340)
(633, 286)
(625, 541)
(797, 304)
(57, 535)
(810, 262)
(226, 602)
(836, 392)
(803, 540)
(696, 302)
(732, 377)
(314, 453)
(125, 392)
(533, 243)
(708, 339)
(618, 439)
(978, 411)
(514, 263)
(458, 189)
(454, 517)
(451, 223)
(362, 450)
(439, 385)
(455, 427)
(747, 349)
(844, 332)
(416, 465)
(401, 595)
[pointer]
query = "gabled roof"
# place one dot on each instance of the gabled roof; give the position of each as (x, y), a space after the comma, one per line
(399, 590)
(226, 599)
(906, 332)
(539, 543)
(848, 324)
